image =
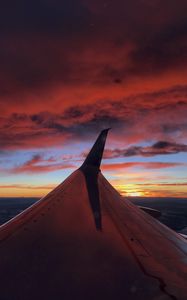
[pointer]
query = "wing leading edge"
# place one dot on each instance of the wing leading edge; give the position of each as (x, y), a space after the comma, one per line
(84, 241)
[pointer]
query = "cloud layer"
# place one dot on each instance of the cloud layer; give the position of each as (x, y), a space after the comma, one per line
(73, 67)
(136, 118)
(158, 148)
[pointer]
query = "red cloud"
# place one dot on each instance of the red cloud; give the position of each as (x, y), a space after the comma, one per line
(38, 165)
(150, 117)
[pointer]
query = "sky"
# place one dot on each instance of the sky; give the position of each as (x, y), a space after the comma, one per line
(69, 69)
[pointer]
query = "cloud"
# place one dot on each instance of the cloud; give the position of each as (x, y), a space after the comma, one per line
(83, 45)
(136, 118)
(159, 51)
(71, 68)
(144, 165)
(39, 165)
(27, 187)
(164, 184)
(158, 148)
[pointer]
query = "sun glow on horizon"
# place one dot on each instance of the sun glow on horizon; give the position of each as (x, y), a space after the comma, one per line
(150, 190)
(130, 190)
(135, 194)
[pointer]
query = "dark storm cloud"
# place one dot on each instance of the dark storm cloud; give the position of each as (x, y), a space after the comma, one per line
(48, 121)
(162, 50)
(43, 16)
(36, 38)
(45, 42)
(172, 128)
(80, 120)
(158, 148)
(157, 33)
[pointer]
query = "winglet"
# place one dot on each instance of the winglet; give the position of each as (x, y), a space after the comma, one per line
(95, 155)
(90, 169)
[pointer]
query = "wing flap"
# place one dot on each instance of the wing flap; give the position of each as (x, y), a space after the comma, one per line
(152, 212)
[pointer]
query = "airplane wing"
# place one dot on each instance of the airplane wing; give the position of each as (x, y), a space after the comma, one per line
(84, 241)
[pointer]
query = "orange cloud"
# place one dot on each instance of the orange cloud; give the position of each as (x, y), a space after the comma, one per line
(24, 190)
(145, 165)
(27, 187)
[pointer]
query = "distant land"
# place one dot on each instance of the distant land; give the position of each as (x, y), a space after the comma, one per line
(10, 207)
(174, 210)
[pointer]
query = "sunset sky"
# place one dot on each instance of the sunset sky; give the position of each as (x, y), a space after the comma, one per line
(69, 69)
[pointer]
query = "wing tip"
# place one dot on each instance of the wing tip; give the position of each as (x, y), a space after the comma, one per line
(95, 155)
